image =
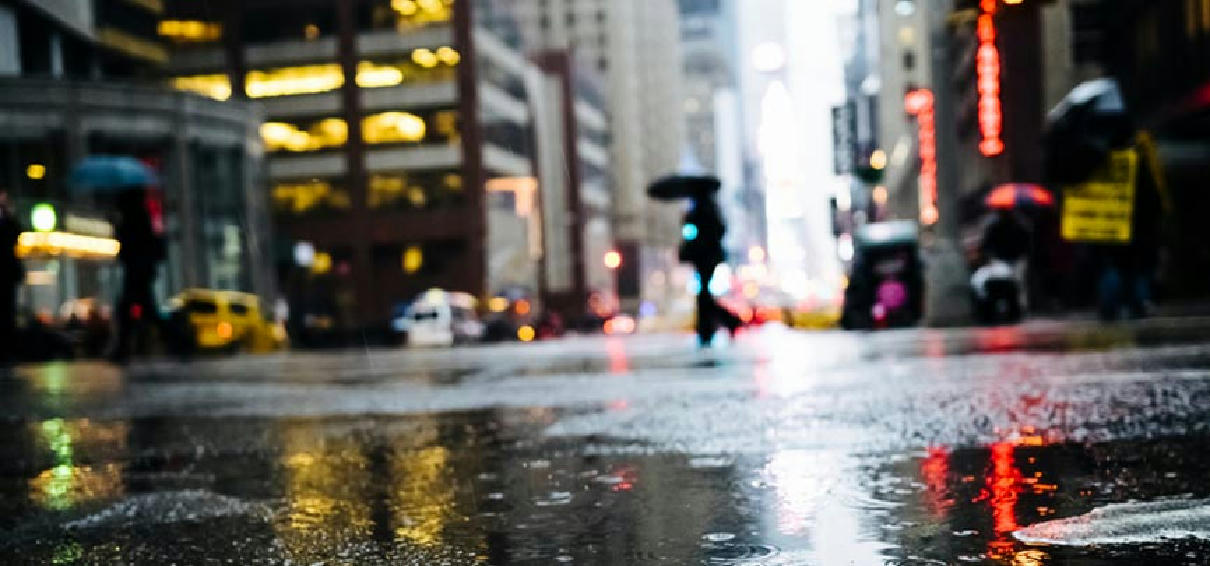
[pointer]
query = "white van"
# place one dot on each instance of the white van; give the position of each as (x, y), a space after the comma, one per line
(440, 318)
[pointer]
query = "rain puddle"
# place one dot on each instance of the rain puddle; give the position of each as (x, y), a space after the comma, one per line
(488, 487)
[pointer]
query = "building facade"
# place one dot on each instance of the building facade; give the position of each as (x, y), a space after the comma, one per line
(629, 44)
(420, 172)
(72, 89)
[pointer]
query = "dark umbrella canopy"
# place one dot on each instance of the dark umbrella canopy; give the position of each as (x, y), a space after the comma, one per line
(683, 186)
(109, 174)
(1083, 128)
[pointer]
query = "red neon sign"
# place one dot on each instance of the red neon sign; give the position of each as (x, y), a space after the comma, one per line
(920, 104)
(987, 60)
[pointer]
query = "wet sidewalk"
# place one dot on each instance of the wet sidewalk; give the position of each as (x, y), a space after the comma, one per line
(916, 447)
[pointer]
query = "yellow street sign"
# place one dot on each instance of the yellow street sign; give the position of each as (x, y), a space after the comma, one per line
(1100, 210)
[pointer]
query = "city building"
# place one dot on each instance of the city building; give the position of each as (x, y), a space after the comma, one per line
(580, 263)
(73, 85)
(629, 44)
(419, 172)
(906, 36)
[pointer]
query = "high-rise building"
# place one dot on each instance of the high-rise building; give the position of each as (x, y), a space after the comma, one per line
(76, 81)
(629, 43)
(399, 135)
(905, 64)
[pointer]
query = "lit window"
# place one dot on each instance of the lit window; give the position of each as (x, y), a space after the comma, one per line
(217, 87)
(410, 14)
(188, 31)
(389, 127)
(307, 196)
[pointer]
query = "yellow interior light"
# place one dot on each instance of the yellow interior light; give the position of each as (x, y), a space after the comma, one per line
(304, 196)
(405, 7)
(217, 87)
(413, 259)
(35, 171)
(389, 127)
(370, 75)
(54, 244)
(425, 58)
(449, 55)
(286, 81)
(417, 197)
(189, 31)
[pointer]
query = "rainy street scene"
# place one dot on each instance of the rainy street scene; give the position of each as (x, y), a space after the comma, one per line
(607, 282)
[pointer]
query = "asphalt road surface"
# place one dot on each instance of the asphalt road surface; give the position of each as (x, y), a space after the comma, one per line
(1054, 443)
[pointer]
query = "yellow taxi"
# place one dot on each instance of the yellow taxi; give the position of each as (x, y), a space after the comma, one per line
(227, 321)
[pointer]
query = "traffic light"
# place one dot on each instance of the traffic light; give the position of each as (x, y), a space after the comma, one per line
(689, 231)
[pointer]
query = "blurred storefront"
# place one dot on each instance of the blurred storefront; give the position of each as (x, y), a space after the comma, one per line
(207, 155)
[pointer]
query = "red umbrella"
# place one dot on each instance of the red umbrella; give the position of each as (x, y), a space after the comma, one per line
(1019, 195)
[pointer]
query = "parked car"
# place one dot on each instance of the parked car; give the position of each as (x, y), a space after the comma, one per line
(439, 318)
(225, 321)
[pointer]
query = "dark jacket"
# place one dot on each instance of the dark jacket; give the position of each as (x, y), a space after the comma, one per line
(11, 270)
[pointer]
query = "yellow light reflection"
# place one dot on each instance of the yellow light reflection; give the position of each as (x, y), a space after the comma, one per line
(324, 478)
(66, 483)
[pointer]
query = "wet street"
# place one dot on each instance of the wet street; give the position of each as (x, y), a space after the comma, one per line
(1054, 443)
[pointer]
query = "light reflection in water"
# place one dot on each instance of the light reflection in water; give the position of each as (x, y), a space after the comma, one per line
(67, 483)
(422, 495)
(619, 362)
(318, 476)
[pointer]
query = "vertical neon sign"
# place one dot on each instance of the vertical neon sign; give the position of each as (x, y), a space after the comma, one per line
(920, 103)
(991, 116)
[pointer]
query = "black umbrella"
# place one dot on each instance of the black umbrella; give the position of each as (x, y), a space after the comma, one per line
(1083, 128)
(683, 186)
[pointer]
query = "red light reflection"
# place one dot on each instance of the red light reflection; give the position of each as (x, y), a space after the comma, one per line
(934, 470)
(1004, 485)
(619, 362)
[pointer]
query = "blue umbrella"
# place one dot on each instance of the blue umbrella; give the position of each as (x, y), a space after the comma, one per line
(108, 173)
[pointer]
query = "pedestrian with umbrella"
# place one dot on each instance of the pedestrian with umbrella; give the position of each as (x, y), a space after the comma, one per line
(141, 244)
(1113, 192)
(701, 246)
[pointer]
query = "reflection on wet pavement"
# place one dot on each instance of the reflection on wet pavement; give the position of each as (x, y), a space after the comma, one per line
(760, 456)
(474, 488)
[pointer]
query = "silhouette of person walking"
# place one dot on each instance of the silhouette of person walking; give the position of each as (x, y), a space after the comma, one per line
(702, 247)
(141, 251)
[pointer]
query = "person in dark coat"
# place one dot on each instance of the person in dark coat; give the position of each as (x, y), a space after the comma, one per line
(11, 275)
(703, 249)
(142, 249)
(1007, 238)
